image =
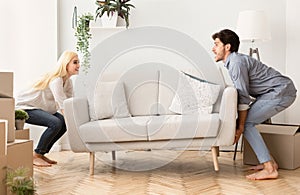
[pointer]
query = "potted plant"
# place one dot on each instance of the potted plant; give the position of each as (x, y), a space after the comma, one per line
(121, 7)
(19, 182)
(83, 36)
(20, 117)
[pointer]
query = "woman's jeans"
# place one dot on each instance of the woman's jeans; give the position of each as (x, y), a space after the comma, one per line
(260, 111)
(55, 124)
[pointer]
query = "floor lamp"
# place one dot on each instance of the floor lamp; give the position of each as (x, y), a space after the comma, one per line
(252, 26)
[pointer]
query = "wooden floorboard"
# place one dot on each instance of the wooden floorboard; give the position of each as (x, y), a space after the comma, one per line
(156, 172)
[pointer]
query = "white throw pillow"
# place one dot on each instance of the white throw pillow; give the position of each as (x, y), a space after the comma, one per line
(194, 95)
(108, 101)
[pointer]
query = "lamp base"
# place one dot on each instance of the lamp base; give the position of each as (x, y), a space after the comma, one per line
(254, 51)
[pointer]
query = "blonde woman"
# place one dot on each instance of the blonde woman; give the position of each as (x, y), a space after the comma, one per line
(44, 105)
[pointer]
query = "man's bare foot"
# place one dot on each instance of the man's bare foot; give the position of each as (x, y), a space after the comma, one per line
(39, 162)
(263, 174)
(256, 167)
(261, 167)
(269, 171)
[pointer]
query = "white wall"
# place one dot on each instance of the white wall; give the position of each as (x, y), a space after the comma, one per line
(28, 39)
(197, 19)
(292, 58)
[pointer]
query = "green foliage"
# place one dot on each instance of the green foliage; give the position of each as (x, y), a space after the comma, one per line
(83, 36)
(122, 7)
(19, 182)
(21, 115)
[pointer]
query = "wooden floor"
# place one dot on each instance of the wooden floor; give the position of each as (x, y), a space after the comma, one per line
(157, 172)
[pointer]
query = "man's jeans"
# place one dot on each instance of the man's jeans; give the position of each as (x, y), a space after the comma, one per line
(260, 111)
(55, 124)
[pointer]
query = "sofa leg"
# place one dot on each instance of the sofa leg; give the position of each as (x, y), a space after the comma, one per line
(215, 151)
(113, 153)
(92, 162)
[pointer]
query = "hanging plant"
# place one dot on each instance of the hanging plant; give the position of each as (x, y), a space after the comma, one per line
(83, 36)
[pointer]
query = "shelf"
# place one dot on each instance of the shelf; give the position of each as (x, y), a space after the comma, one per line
(107, 28)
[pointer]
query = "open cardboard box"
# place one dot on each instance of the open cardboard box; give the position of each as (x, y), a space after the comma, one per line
(283, 142)
(22, 134)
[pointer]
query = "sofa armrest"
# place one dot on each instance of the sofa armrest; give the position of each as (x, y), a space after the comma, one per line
(76, 113)
(228, 114)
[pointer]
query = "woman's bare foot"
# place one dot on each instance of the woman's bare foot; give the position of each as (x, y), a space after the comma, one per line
(42, 161)
(269, 171)
(39, 162)
(48, 160)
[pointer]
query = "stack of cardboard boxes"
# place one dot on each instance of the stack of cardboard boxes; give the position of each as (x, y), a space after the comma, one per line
(14, 153)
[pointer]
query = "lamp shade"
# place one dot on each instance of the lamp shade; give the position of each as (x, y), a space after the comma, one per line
(253, 25)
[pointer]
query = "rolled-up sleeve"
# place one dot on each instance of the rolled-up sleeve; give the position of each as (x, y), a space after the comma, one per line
(240, 79)
(68, 88)
(57, 89)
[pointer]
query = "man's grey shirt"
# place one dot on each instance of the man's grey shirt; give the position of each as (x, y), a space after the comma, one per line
(252, 78)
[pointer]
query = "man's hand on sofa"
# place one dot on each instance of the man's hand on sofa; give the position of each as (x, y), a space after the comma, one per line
(238, 134)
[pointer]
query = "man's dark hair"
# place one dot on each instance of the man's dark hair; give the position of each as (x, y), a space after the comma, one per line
(228, 36)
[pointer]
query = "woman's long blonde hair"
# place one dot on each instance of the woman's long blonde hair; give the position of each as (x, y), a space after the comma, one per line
(61, 71)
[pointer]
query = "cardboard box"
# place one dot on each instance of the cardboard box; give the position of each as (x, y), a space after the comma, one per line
(20, 154)
(7, 112)
(6, 84)
(283, 142)
(22, 134)
(2, 175)
(3, 136)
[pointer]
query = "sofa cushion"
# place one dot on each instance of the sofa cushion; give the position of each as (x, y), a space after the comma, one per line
(166, 127)
(168, 81)
(141, 88)
(108, 100)
(194, 95)
(115, 130)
